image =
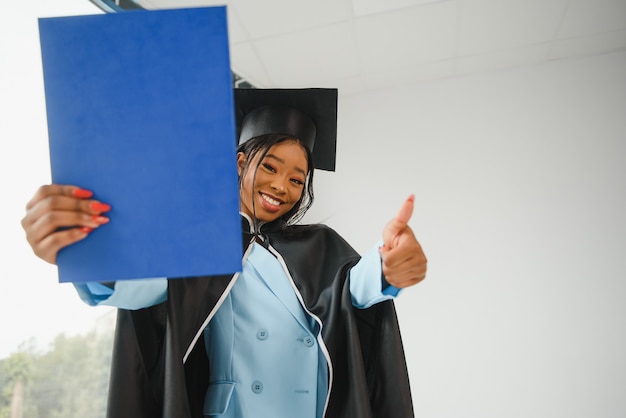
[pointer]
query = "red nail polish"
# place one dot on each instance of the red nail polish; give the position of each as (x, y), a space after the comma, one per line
(86, 229)
(100, 207)
(100, 219)
(82, 193)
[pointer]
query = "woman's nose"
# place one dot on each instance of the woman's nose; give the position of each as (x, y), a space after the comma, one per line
(278, 184)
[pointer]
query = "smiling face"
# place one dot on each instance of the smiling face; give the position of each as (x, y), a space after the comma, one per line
(279, 183)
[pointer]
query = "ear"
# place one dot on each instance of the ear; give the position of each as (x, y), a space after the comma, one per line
(241, 162)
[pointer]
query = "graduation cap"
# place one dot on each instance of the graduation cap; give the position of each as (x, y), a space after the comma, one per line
(309, 115)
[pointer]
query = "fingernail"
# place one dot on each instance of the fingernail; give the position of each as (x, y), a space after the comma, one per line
(100, 219)
(100, 207)
(86, 229)
(82, 193)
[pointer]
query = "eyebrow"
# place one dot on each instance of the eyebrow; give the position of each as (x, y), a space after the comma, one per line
(280, 160)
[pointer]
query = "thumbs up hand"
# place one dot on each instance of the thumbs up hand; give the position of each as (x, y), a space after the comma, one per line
(403, 261)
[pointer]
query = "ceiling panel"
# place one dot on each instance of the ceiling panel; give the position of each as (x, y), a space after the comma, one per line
(406, 37)
(492, 25)
(246, 63)
(173, 4)
(588, 17)
(601, 43)
(278, 17)
(360, 45)
(310, 56)
(370, 7)
(236, 31)
(396, 77)
(507, 58)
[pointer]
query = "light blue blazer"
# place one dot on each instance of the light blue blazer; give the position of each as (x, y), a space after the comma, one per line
(268, 358)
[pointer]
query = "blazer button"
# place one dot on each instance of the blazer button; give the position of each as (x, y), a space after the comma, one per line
(308, 341)
(262, 334)
(257, 387)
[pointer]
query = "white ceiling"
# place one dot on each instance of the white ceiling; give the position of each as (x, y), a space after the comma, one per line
(359, 45)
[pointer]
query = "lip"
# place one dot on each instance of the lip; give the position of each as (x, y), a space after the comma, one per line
(268, 205)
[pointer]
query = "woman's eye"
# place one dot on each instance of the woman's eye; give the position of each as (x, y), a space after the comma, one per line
(269, 167)
(297, 181)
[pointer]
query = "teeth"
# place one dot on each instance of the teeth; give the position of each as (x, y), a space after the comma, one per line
(270, 200)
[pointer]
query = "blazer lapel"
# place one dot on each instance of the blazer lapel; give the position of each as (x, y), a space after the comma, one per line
(270, 271)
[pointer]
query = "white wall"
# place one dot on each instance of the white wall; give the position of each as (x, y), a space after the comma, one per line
(520, 178)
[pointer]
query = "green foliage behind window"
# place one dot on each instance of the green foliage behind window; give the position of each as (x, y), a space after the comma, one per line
(69, 381)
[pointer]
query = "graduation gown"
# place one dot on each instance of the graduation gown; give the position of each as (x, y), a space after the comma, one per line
(159, 366)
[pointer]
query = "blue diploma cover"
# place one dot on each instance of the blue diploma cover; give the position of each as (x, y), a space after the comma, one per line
(140, 111)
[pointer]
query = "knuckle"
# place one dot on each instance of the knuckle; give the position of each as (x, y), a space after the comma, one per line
(49, 217)
(47, 204)
(39, 253)
(52, 219)
(43, 190)
(84, 206)
(31, 242)
(54, 240)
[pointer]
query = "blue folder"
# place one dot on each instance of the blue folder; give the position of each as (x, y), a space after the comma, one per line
(140, 111)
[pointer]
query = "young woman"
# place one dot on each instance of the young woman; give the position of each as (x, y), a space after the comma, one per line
(307, 329)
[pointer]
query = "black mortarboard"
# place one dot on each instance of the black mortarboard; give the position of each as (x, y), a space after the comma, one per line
(309, 115)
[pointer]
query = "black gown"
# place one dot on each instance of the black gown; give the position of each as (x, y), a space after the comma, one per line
(159, 366)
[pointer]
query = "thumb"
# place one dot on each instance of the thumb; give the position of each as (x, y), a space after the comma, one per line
(399, 223)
